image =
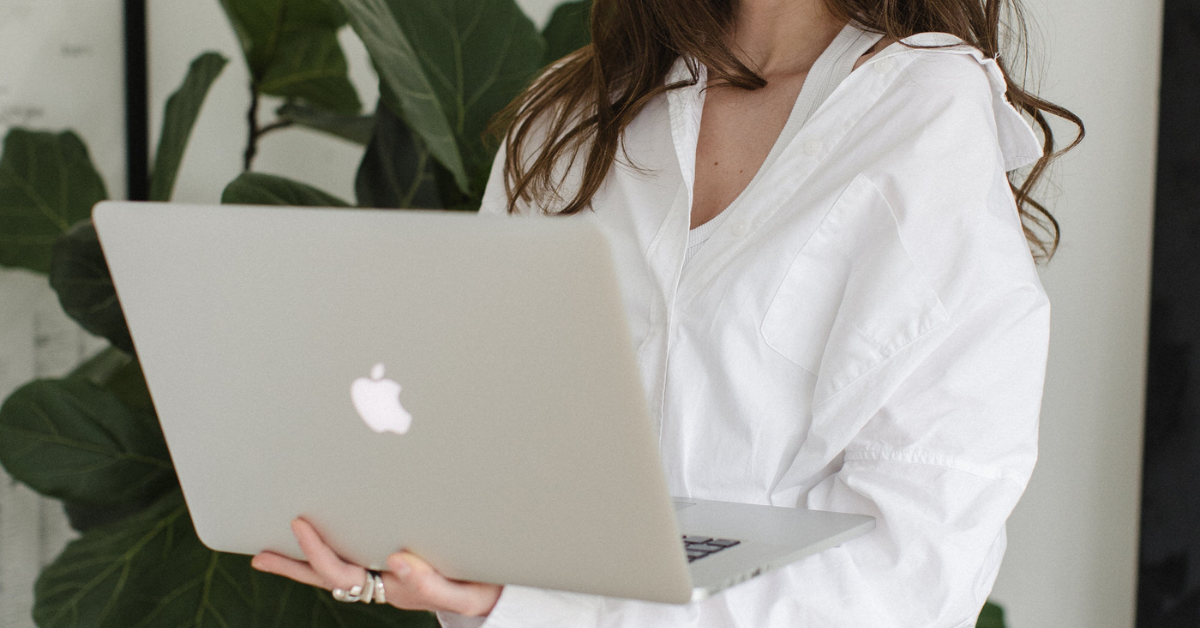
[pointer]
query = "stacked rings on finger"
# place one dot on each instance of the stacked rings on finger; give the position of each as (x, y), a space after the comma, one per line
(380, 594)
(371, 590)
(353, 595)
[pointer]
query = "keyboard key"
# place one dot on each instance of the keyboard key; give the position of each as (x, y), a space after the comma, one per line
(698, 547)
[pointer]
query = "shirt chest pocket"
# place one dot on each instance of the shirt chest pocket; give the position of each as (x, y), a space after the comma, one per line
(853, 296)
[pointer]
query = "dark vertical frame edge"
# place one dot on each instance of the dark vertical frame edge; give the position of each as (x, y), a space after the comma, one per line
(137, 106)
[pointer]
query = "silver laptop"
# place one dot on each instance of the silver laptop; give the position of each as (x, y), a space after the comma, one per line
(458, 385)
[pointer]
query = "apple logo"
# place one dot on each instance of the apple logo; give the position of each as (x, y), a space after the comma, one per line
(377, 401)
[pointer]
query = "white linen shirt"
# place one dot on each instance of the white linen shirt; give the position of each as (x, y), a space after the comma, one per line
(865, 332)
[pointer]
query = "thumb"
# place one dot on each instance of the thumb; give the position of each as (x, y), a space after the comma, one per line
(432, 590)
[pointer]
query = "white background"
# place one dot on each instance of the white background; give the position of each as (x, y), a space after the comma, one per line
(1073, 539)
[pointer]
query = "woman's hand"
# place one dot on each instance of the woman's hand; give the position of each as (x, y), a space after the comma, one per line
(410, 583)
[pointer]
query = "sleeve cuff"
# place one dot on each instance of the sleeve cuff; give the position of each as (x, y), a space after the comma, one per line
(454, 620)
(525, 607)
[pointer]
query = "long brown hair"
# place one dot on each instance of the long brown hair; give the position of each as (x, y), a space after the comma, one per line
(583, 104)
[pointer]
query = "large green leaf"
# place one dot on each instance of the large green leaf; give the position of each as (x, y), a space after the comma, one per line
(352, 128)
(992, 616)
(103, 366)
(47, 184)
(253, 188)
(183, 107)
(407, 89)
(77, 441)
(447, 67)
(396, 171)
(80, 276)
(119, 373)
(568, 30)
(292, 50)
(151, 571)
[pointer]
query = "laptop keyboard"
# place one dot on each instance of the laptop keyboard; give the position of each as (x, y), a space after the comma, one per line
(700, 546)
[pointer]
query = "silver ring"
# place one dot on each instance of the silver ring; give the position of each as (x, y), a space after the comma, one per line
(353, 595)
(380, 594)
(368, 588)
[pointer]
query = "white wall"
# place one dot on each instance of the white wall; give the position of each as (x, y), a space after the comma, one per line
(1073, 539)
(51, 52)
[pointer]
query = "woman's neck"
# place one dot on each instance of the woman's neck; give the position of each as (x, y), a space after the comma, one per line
(781, 37)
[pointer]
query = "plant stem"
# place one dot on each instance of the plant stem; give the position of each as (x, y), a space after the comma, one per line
(256, 132)
(252, 139)
(275, 126)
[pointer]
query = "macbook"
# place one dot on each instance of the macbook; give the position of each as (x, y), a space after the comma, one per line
(458, 385)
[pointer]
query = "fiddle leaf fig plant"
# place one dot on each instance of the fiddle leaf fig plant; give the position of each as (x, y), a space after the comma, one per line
(292, 51)
(252, 188)
(151, 570)
(568, 29)
(183, 107)
(79, 275)
(446, 68)
(47, 184)
(78, 441)
(398, 170)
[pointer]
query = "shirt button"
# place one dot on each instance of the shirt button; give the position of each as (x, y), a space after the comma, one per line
(812, 147)
(740, 228)
(883, 65)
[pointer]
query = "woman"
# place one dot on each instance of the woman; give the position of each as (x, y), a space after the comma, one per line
(829, 279)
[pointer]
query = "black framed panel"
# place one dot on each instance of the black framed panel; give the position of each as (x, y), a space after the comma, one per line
(1169, 570)
(137, 106)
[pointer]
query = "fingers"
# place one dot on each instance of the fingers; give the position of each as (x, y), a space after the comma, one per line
(324, 568)
(271, 562)
(334, 572)
(419, 585)
(412, 583)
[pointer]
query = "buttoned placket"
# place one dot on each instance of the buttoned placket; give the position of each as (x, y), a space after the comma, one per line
(668, 250)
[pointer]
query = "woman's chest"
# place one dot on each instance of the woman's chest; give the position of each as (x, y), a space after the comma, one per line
(775, 315)
(739, 129)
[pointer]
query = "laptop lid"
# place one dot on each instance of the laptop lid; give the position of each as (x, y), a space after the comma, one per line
(521, 449)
